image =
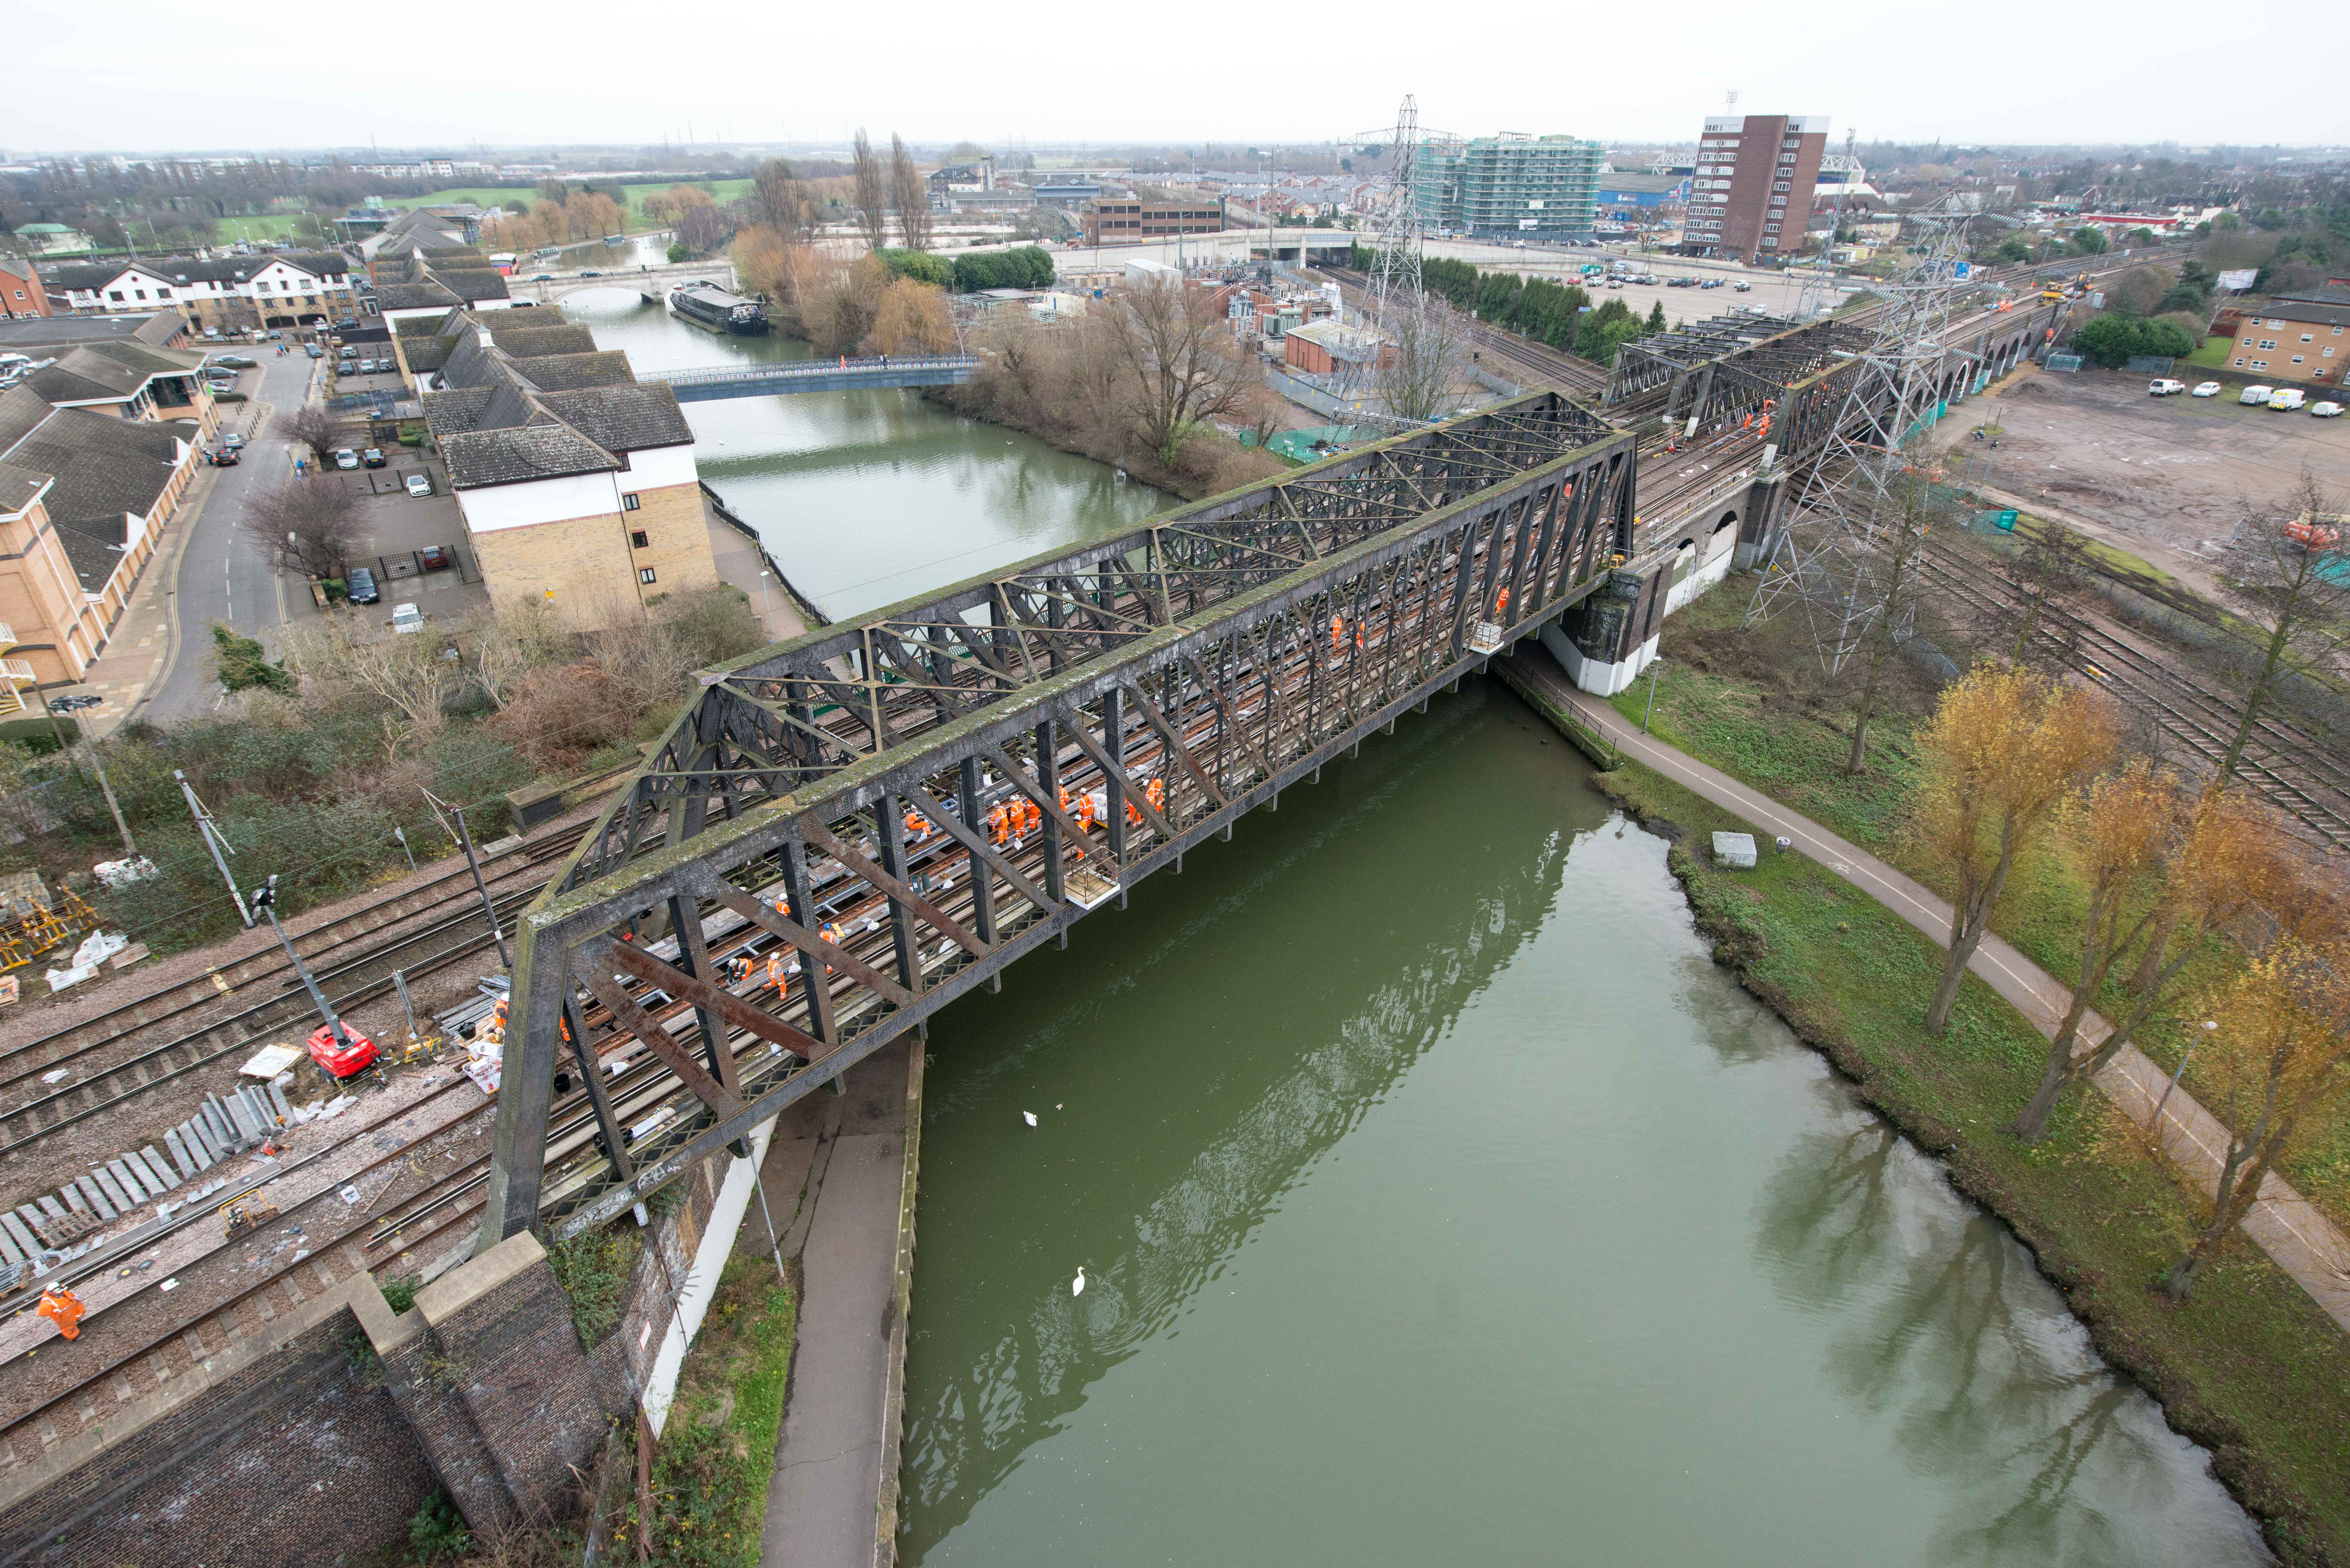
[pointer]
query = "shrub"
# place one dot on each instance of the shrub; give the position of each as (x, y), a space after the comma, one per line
(35, 736)
(241, 663)
(593, 1269)
(920, 265)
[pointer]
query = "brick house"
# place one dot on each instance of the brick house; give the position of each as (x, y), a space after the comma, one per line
(2300, 336)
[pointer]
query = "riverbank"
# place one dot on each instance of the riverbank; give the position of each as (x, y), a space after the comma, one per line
(2249, 1367)
(1209, 464)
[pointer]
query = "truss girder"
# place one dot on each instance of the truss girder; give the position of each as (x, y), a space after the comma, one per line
(866, 890)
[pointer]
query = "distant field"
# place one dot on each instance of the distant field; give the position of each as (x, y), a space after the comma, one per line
(495, 196)
(274, 226)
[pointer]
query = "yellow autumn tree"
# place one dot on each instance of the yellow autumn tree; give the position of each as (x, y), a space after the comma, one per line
(2277, 1060)
(2162, 869)
(912, 318)
(2003, 751)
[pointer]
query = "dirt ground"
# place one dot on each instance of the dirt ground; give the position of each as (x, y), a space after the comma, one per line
(2164, 477)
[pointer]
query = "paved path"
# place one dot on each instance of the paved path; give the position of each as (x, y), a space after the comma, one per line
(2287, 1226)
(835, 1177)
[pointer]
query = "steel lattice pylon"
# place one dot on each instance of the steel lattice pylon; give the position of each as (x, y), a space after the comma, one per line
(1824, 561)
(1395, 266)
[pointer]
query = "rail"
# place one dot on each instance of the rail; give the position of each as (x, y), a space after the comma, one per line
(814, 369)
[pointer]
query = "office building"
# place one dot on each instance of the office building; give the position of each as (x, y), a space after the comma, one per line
(1511, 183)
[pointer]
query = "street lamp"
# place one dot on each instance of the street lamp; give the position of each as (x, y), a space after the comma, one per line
(57, 705)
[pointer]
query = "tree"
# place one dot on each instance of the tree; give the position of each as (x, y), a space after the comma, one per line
(2288, 565)
(303, 526)
(872, 195)
(913, 196)
(2280, 1058)
(1178, 361)
(2090, 241)
(2053, 565)
(782, 200)
(2004, 750)
(1417, 363)
(412, 675)
(316, 426)
(1656, 315)
(1888, 587)
(2012, 250)
(2161, 871)
(912, 318)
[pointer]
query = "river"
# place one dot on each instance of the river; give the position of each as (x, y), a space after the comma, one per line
(1438, 1197)
(1439, 1200)
(867, 498)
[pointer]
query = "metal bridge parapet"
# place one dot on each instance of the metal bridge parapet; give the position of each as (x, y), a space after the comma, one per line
(845, 832)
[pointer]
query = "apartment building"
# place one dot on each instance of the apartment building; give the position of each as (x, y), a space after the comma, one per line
(1752, 194)
(223, 294)
(1512, 184)
(2302, 336)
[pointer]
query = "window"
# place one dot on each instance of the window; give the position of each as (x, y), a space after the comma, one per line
(2268, 342)
(2260, 364)
(2296, 359)
(627, 503)
(2239, 364)
(644, 574)
(638, 539)
(2305, 337)
(115, 295)
(1782, 185)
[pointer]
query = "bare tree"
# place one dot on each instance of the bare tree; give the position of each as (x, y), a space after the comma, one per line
(315, 426)
(1417, 364)
(912, 193)
(305, 527)
(872, 196)
(2289, 565)
(1888, 588)
(781, 197)
(500, 647)
(1179, 360)
(412, 675)
(2052, 565)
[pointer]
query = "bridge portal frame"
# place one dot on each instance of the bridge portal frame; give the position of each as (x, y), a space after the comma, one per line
(1222, 709)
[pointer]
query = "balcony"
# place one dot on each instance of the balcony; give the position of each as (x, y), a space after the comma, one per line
(16, 678)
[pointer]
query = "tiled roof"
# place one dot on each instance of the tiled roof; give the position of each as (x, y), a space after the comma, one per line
(550, 451)
(21, 408)
(530, 339)
(104, 467)
(18, 486)
(624, 418)
(107, 370)
(471, 284)
(34, 335)
(570, 372)
(413, 296)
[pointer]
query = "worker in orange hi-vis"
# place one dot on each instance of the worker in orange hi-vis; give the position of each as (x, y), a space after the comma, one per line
(1033, 814)
(63, 1308)
(1503, 603)
(1337, 631)
(776, 970)
(915, 826)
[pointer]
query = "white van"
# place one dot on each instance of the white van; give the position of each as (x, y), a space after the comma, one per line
(2287, 399)
(2165, 388)
(2256, 394)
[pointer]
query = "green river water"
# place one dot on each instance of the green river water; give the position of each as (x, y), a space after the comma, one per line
(1439, 1198)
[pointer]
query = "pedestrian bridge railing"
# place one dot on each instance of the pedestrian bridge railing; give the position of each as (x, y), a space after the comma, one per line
(838, 374)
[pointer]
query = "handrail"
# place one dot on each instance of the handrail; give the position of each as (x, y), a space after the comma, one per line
(813, 367)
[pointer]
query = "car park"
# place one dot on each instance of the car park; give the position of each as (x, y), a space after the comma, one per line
(373, 457)
(2325, 410)
(419, 486)
(2164, 387)
(233, 441)
(2205, 389)
(405, 618)
(2251, 395)
(359, 583)
(346, 458)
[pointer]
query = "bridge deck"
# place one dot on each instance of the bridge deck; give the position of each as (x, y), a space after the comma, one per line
(849, 373)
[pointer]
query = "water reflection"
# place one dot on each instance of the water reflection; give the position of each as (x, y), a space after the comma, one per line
(1993, 1386)
(1252, 1121)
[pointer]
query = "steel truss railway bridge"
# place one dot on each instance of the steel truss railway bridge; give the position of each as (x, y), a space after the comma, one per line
(846, 832)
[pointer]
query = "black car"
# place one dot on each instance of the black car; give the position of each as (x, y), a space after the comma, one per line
(372, 457)
(590, 272)
(225, 458)
(360, 584)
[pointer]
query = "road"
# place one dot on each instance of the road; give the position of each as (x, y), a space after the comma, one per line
(218, 578)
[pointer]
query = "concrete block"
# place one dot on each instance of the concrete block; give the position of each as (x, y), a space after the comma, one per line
(241, 1120)
(207, 1140)
(97, 1198)
(1734, 850)
(112, 1185)
(30, 1215)
(277, 1098)
(224, 1131)
(22, 1234)
(53, 1208)
(172, 1141)
(160, 1166)
(144, 1170)
(192, 1140)
(131, 1184)
(8, 1252)
(72, 1194)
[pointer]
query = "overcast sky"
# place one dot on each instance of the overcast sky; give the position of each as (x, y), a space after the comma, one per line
(147, 73)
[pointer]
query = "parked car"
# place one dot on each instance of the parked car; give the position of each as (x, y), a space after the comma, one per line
(405, 618)
(1742, 287)
(590, 272)
(2256, 394)
(2325, 410)
(235, 361)
(359, 583)
(372, 457)
(313, 350)
(419, 486)
(2205, 389)
(345, 458)
(2164, 387)
(348, 352)
(233, 441)
(2287, 399)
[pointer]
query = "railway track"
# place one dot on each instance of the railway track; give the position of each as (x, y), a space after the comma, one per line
(2292, 769)
(111, 1059)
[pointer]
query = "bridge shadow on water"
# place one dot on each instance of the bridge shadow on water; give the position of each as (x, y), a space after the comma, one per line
(1320, 956)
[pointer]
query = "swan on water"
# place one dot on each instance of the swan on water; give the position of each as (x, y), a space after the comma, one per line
(1028, 1116)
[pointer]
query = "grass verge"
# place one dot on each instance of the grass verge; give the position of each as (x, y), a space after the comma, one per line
(717, 1450)
(2250, 1366)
